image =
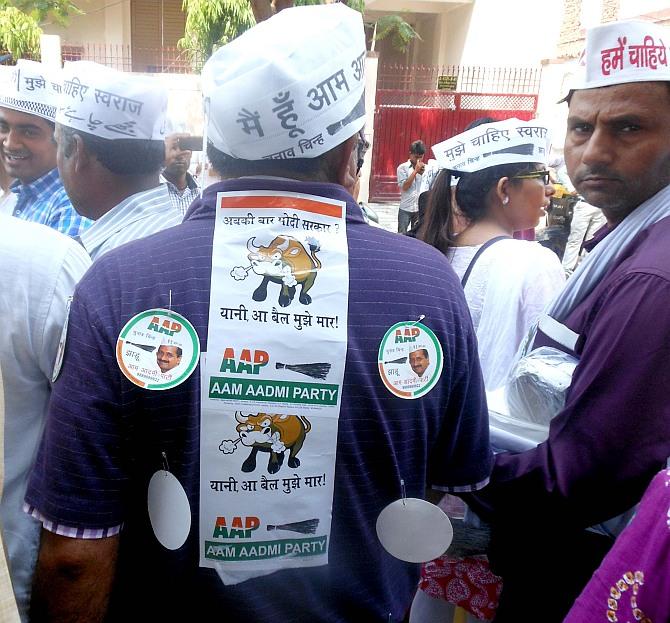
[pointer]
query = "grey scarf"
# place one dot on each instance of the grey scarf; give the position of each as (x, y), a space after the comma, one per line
(592, 270)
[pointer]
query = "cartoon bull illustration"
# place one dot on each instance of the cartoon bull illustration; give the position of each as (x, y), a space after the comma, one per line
(286, 261)
(273, 433)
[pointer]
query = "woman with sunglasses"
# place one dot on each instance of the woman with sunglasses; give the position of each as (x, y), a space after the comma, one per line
(503, 186)
(508, 282)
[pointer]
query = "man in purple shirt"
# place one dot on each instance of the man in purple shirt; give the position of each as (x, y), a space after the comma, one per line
(613, 433)
(102, 554)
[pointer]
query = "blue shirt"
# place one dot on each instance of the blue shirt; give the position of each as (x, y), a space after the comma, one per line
(105, 436)
(45, 201)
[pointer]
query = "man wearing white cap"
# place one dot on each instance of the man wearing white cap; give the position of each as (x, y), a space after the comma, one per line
(27, 112)
(249, 487)
(109, 129)
(613, 433)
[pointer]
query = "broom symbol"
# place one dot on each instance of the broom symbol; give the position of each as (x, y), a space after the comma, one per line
(400, 360)
(149, 349)
(308, 526)
(315, 370)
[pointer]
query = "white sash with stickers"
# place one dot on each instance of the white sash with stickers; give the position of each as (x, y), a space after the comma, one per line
(272, 382)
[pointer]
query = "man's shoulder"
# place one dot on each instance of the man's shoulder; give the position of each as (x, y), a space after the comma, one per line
(652, 252)
(40, 250)
(402, 260)
(159, 195)
(170, 240)
(635, 291)
(19, 235)
(647, 254)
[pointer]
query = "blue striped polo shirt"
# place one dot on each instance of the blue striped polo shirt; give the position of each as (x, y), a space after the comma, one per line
(135, 217)
(105, 437)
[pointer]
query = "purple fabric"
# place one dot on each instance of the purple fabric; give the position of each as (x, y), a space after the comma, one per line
(105, 437)
(614, 433)
(633, 583)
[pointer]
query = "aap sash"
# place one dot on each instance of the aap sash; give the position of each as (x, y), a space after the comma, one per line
(272, 382)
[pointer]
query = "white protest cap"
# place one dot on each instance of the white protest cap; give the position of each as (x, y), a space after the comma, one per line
(492, 144)
(33, 88)
(622, 52)
(104, 102)
(290, 87)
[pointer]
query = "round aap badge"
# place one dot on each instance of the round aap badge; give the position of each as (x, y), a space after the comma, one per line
(410, 360)
(157, 349)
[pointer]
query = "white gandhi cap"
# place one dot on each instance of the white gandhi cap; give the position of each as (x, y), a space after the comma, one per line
(491, 144)
(290, 87)
(33, 88)
(623, 52)
(111, 104)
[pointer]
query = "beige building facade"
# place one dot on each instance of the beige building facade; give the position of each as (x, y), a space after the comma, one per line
(472, 32)
(130, 34)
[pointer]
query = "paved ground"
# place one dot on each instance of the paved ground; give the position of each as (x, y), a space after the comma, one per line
(387, 213)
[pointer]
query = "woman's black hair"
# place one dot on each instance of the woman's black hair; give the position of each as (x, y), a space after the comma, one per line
(472, 192)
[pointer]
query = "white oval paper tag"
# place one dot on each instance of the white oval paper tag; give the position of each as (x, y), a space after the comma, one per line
(414, 530)
(169, 510)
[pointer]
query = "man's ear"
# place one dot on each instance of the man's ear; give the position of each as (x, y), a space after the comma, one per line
(346, 163)
(81, 158)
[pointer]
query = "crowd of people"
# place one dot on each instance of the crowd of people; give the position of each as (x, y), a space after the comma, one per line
(234, 400)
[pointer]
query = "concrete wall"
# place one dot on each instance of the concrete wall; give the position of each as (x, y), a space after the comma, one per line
(371, 64)
(431, 19)
(515, 32)
(556, 79)
(454, 27)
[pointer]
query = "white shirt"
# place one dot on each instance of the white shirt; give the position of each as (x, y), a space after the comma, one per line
(508, 288)
(39, 268)
(137, 216)
(428, 176)
(7, 202)
(408, 198)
